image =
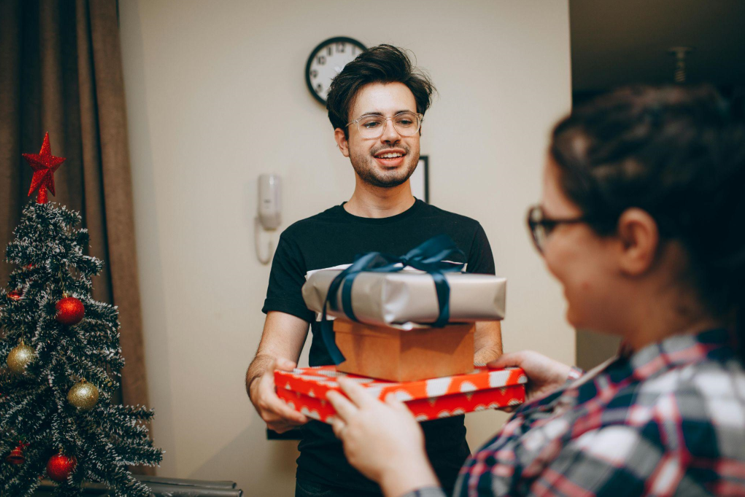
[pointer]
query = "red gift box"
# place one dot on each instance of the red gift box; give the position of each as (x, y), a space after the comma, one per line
(305, 391)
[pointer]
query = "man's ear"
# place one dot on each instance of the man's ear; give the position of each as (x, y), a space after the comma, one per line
(639, 239)
(341, 139)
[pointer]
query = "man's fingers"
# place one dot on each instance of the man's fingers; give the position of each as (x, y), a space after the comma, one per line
(280, 427)
(282, 409)
(355, 392)
(274, 404)
(345, 409)
(284, 364)
(507, 360)
(277, 407)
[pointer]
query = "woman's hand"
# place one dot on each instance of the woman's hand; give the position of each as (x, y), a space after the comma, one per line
(545, 375)
(382, 440)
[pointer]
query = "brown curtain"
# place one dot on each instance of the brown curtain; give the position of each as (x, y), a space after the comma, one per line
(61, 72)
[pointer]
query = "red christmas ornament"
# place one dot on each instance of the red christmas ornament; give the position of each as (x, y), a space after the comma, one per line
(16, 455)
(15, 295)
(70, 311)
(44, 165)
(60, 466)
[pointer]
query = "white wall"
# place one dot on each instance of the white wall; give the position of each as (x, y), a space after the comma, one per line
(216, 96)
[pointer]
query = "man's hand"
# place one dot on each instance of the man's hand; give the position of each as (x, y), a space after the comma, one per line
(545, 375)
(272, 409)
(282, 340)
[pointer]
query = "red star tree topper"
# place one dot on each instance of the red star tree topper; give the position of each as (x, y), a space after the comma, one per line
(44, 165)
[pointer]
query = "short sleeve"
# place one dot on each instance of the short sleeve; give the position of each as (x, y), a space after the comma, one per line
(286, 280)
(479, 258)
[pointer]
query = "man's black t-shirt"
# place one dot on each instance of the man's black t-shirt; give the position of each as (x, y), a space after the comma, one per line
(335, 237)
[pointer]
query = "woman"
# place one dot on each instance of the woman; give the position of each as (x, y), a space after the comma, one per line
(641, 221)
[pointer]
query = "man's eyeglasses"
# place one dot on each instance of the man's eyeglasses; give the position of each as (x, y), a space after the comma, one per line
(541, 226)
(372, 125)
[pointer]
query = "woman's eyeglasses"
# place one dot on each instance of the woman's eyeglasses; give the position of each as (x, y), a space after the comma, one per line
(541, 226)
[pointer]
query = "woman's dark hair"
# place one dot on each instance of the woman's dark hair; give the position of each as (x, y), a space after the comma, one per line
(380, 64)
(675, 153)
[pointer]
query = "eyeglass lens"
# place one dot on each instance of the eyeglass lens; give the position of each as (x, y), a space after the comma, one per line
(538, 230)
(405, 123)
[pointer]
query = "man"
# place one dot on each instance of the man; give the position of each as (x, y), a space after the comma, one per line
(375, 105)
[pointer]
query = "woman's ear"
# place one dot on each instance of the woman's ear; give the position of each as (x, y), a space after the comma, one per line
(638, 234)
(341, 139)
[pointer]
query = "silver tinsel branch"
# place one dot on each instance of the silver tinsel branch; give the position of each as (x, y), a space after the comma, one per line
(50, 263)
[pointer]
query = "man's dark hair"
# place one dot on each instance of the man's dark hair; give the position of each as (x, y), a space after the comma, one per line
(676, 153)
(379, 64)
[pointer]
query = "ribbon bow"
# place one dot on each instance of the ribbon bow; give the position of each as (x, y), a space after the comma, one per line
(429, 257)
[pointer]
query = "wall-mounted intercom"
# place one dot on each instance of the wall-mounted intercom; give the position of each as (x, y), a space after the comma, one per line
(269, 210)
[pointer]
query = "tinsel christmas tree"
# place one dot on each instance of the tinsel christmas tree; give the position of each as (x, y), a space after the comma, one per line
(63, 359)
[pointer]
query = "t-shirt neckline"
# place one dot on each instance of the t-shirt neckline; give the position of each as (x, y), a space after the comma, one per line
(382, 220)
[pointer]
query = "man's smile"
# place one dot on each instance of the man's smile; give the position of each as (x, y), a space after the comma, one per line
(390, 157)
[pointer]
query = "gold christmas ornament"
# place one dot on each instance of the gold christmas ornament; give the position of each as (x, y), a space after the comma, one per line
(83, 395)
(19, 358)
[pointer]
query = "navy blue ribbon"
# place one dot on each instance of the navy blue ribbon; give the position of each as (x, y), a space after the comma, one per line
(430, 257)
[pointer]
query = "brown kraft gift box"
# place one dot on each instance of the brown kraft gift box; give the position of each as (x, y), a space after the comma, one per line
(396, 354)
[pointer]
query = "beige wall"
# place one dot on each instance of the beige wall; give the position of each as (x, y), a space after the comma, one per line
(216, 96)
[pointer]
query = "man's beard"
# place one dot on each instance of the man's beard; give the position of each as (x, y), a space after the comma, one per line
(364, 166)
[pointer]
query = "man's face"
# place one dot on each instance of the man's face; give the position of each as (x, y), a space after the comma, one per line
(390, 159)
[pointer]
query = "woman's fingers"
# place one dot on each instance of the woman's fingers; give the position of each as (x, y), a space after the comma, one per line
(507, 360)
(356, 393)
(393, 402)
(337, 426)
(345, 409)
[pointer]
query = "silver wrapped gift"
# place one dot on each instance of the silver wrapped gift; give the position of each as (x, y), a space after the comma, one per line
(409, 297)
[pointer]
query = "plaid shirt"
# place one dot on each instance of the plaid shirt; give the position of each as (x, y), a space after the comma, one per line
(666, 420)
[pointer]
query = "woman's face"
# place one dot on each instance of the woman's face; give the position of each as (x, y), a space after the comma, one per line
(582, 261)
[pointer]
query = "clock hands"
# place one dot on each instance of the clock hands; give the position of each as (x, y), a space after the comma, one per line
(329, 54)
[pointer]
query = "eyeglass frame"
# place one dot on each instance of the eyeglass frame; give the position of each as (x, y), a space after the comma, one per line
(420, 117)
(549, 224)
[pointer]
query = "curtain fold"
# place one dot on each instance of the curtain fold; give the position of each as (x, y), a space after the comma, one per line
(61, 72)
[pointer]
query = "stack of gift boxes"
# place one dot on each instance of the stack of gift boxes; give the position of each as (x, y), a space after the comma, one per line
(380, 331)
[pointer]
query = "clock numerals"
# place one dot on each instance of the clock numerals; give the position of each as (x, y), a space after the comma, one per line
(326, 61)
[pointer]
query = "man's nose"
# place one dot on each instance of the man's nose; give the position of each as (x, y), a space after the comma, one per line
(390, 135)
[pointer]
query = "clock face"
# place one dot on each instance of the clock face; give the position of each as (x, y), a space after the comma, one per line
(326, 61)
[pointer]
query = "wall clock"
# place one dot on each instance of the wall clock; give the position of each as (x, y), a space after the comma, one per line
(326, 61)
